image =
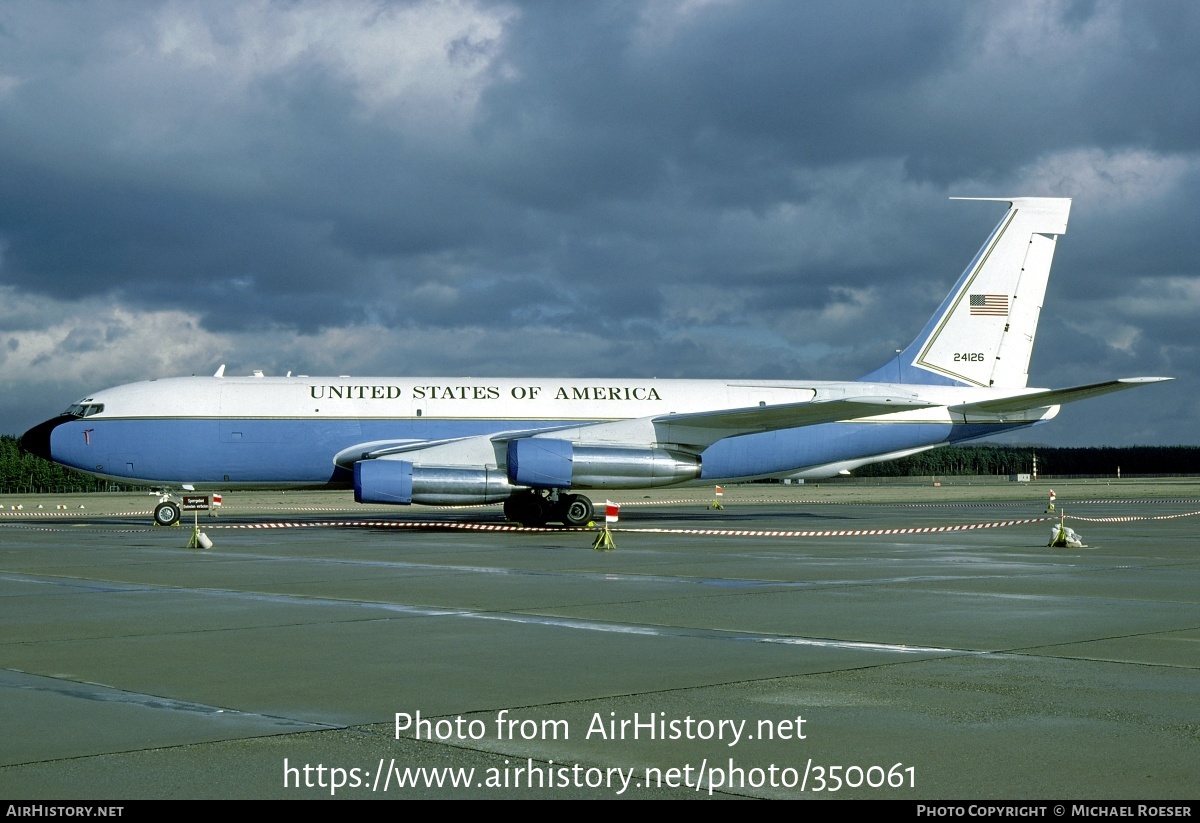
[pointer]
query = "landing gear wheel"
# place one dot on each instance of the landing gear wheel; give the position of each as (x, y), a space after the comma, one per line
(527, 509)
(511, 510)
(166, 514)
(576, 510)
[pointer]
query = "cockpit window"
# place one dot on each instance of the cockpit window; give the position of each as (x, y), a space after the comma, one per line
(84, 409)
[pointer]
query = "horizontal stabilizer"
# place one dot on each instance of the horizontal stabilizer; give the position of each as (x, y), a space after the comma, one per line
(1053, 397)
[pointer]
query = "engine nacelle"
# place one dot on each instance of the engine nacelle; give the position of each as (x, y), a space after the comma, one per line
(547, 463)
(400, 482)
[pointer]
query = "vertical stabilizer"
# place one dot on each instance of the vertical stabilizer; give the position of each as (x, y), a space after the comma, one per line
(983, 333)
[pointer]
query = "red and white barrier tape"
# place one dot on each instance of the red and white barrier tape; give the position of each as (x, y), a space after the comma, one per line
(1130, 518)
(490, 527)
(438, 525)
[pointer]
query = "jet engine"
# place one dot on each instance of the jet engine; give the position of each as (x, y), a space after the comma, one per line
(399, 481)
(546, 463)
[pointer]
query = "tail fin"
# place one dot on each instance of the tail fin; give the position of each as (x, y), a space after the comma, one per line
(982, 334)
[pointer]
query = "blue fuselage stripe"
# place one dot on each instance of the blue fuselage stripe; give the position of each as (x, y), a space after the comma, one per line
(295, 451)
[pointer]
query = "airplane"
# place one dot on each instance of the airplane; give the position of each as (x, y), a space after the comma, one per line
(534, 444)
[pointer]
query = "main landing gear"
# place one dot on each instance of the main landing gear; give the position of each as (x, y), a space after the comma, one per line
(536, 508)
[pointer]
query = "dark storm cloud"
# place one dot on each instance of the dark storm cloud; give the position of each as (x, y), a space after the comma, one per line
(755, 76)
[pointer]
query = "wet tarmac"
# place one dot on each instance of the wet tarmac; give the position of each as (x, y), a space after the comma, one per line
(959, 664)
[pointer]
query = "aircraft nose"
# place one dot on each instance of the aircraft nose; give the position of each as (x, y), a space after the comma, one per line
(37, 440)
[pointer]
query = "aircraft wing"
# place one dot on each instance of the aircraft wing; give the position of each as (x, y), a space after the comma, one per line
(387, 448)
(696, 431)
(692, 431)
(1053, 397)
(792, 415)
(702, 429)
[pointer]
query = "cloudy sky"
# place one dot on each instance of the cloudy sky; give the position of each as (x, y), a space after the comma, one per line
(697, 188)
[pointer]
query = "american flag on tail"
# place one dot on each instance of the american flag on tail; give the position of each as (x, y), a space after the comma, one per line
(989, 305)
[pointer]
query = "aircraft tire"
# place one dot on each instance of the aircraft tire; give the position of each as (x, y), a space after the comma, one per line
(166, 514)
(511, 510)
(576, 510)
(527, 509)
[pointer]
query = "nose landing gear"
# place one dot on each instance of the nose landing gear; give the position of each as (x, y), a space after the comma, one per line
(166, 513)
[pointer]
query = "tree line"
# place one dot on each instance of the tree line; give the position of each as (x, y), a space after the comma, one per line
(22, 473)
(1003, 460)
(26, 473)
